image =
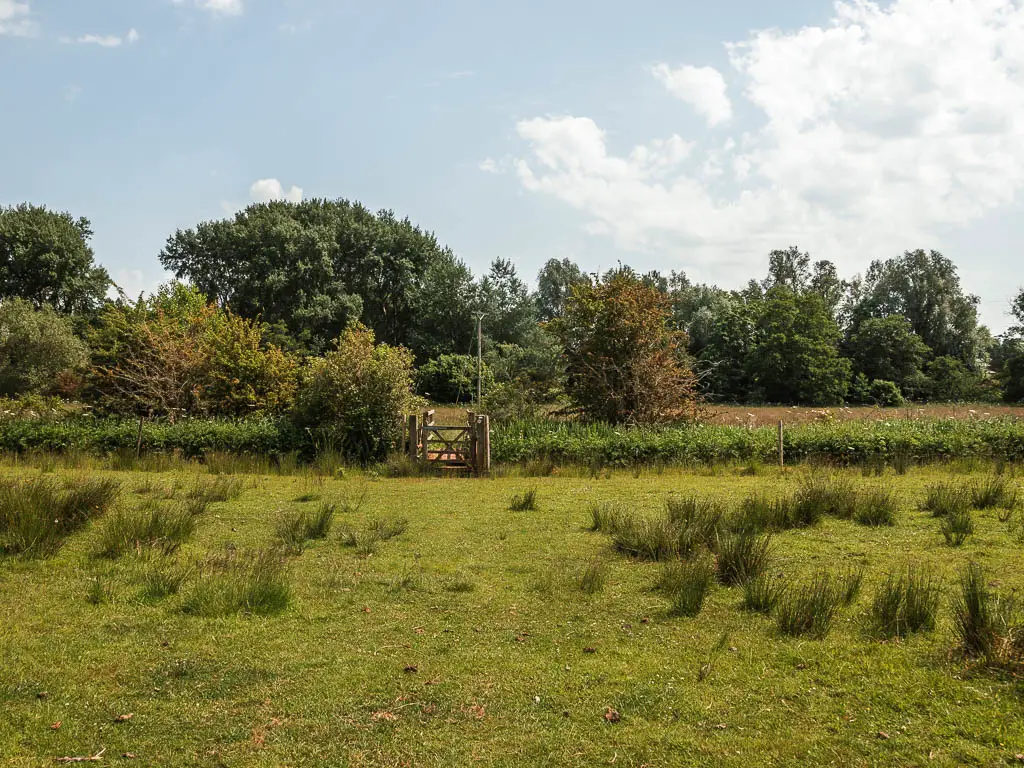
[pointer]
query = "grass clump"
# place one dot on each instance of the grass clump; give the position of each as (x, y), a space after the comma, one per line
(217, 488)
(646, 538)
(524, 502)
(698, 520)
(957, 526)
(161, 579)
(945, 499)
(364, 540)
(151, 526)
(687, 585)
(761, 593)
(240, 582)
(38, 515)
(876, 508)
(604, 516)
(758, 513)
(850, 583)
(994, 491)
(906, 603)
(810, 607)
(460, 582)
(823, 495)
(294, 529)
(594, 576)
(741, 556)
(98, 591)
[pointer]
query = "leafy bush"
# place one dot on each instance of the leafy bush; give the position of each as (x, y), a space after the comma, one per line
(451, 379)
(886, 394)
(38, 515)
(38, 349)
(355, 397)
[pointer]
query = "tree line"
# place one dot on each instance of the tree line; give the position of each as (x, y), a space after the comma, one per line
(260, 296)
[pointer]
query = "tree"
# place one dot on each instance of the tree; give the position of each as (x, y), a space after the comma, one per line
(510, 313)
(37, 348)
(555, 282)
(624, 361)
(795, 358)
(318, 265)
(355, 396)
(925, 289)
(788, 269)
(450, 379)
(886, 348)
(174, 353)
(45, 258)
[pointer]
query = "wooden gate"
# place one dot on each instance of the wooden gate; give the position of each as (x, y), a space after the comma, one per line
(453, 448)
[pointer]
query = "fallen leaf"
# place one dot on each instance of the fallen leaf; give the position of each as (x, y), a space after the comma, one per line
(611, 715)
(128, 755)
(721, 726)
(410, 668)
(384, 715)
(882, 735)
(590, 650)
(645, 620)
(419, 630)
(56, 726)
(124, 718)
(43, 695)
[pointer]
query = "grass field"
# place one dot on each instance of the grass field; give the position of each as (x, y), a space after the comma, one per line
(476, 634)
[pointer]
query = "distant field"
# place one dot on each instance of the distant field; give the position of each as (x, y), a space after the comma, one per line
(467, 638)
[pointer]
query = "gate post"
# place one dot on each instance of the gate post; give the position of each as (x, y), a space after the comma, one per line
(483, 445)
(413, 435)
(471, 418)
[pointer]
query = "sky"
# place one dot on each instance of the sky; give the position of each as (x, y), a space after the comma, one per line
(665, 134)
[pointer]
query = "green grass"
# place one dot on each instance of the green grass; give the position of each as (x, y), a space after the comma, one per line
(302, 661)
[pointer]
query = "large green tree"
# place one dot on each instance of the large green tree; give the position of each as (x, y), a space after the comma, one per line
(555, 282)
(316, 266)
(37, 347)
(886, 348)
(45, 258)
(795, 358)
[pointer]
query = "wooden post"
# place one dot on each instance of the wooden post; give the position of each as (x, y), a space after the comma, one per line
(782, 450)
(473, 449)
(413, 433)
(138, 443)
(483, 442)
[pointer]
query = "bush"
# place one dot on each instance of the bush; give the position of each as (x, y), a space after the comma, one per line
(886, 394)
(355, 397)
(451, 379)
(906, 603)
(37, 516)
(38, 349)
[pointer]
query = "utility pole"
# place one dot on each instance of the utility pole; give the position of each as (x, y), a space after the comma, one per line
(479, 358)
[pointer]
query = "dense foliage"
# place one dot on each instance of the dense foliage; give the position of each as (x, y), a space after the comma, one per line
(39, 352)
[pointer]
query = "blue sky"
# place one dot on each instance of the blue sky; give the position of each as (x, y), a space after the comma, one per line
(666, 134)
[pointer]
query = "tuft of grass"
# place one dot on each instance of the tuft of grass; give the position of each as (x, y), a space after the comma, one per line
(810, 607)
(945, 499)
(150, 526)
(524, 502)
(38, 515)
(823, 495)
(240, 582)
(646, 538)
(295, 528)
(974, 613)
(688, 586)
(876, 508)
(741, 556)
(850, 583)
(957, 526)
(460, 582)
(603, 516)
(97, 592)
(593, 577)
(698, 520)
(160, 579)
(305, 498)
(994, 491)
(364, 540)
(759, 513)
(761, 593)
(217, 488)
(906, 603)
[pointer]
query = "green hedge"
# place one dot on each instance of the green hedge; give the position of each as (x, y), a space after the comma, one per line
(842, 442)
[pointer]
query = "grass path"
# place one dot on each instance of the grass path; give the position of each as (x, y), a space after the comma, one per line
(381, 660)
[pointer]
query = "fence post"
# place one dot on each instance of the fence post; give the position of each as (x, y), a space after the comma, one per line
(782, 450)
(413, 435)
(483, 462)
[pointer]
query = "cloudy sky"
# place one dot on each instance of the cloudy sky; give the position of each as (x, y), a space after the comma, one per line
(667, 134)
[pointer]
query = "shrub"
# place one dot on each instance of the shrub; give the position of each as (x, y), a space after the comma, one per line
(810, 607)
(993, 491)
(957, 526)
(741, 556)
(906, 603)
(689, 585)
(524, 502)
(356, 396)
(38, 349)
(761, 593)
(877, 507)
(594, 576)
(886, 394)
(451, 379)
(37, 516)
(946, 499)
(152, 526)
(240, 582)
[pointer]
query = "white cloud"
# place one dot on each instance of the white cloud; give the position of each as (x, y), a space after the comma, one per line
(104, 41)
(16, 18)
(703, 88)
(218, 7)
(265, 190)
(132, 36)
(876, 133)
